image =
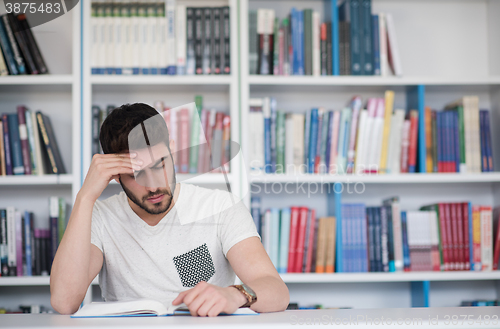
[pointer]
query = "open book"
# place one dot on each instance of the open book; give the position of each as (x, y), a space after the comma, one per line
(139, 307)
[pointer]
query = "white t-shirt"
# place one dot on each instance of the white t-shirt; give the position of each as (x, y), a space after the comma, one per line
(184, 248)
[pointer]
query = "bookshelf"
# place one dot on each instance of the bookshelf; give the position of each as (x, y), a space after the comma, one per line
(58, 95)
(218, 91)
(450, 54)
(434, 58)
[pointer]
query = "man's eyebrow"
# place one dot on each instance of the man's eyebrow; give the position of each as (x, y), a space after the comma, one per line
(158, 162)
(151, 166)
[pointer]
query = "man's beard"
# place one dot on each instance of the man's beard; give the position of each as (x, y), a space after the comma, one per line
(142, 204)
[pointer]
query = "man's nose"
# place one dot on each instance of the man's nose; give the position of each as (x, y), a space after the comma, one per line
(151, 183)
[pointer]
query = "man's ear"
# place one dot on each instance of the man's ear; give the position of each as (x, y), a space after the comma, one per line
(172, 145)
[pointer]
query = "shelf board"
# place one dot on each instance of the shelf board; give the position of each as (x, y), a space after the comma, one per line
(491, 177)
(160, 79)
(366, 81)
(389, 277)
(315, 277)
(31, 281)
(65, 179)
(33, 80)
(205, 179)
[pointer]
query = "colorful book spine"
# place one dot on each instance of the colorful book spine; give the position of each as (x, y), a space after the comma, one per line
(28, 248)
(294, 230)
(476, 239)
(50, 144)
(275, 236)
(376, 45)
(355, 41)
(206, 40)
(226, 41)
(15, 145)
(23, 136)
(7, 50)
(255, 206)
(19, 243)
(356, 105)
(466, 219)
(7, 148)
(486, 238)
(412, 149)
(266, 111)
(280, 142)
(343, 142)
(18, 44)
(285, 219)
(389, 105)
(406, 250)
(332, 167)
(54, 230)
(301, 237)
(308, 264)
(366, 37)
(4, 251)
(11, 241)
(190, 41)
(273, 107)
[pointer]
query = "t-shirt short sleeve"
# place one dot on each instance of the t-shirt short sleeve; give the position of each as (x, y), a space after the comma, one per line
(96, 228)
(235, 225)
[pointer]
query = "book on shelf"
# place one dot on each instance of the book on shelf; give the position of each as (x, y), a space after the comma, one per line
(447, 236)
(28, 145)
(202, 136)
(26, 250)
(140, 307)
(479, 302)
(26, 309)
(301, 44)
(179, 40)
(19, 51)
(378, 137)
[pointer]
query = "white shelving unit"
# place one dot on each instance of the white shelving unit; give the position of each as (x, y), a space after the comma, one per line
(218, 91)
(58, 95)
(452, 55)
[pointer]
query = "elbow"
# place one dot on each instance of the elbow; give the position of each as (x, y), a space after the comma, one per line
(285, 299)
(64, 301)
(62, 307)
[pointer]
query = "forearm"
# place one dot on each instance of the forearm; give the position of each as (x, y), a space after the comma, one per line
(272, 294)
(69, 279)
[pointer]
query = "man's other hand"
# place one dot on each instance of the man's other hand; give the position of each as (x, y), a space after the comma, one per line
(205, 299)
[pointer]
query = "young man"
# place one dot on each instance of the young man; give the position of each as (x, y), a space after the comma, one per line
(159, 239)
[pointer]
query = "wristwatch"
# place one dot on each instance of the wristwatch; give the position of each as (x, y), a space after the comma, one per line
(247, 292)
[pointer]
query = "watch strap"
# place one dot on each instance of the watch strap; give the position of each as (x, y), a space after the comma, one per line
(250, 299)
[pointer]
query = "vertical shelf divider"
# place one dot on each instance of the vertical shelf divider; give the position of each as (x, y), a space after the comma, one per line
(420, 293)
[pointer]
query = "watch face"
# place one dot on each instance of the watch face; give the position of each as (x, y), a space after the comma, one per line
(249, 290)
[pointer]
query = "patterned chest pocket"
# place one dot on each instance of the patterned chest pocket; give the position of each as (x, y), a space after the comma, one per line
(195, 266)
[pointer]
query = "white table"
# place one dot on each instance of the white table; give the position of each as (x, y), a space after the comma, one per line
(465, 317)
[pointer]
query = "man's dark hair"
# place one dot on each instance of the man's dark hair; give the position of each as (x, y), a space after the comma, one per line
(115, 129)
